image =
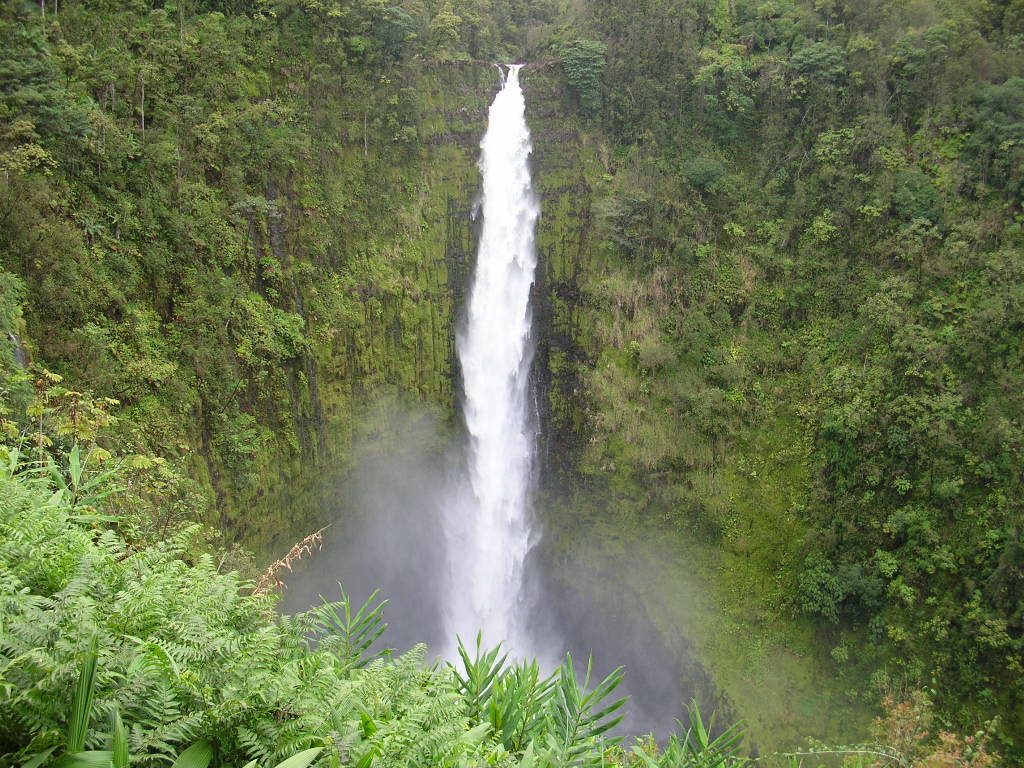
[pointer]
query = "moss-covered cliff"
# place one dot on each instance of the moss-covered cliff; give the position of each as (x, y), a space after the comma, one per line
(614, 467)
(243, 255)
(412, 249)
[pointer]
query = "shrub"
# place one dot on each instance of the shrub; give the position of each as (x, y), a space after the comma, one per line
(583, 62)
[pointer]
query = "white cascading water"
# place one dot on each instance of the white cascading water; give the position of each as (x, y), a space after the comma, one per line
(489, 530)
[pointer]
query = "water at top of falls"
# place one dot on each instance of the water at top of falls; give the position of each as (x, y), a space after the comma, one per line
(489, 527)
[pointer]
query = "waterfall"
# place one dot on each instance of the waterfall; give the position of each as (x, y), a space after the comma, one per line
(489, 528)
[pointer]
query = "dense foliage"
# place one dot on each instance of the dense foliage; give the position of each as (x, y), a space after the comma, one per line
(151, 649)
(801, 333)
(207, 205)
(809, 322)
(117, 653)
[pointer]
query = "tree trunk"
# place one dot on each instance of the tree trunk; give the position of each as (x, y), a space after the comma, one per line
(142, 105)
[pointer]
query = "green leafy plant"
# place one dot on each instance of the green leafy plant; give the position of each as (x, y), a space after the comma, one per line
(350, 635)
(84, 490)
(583, 62)
(578, 718)
(698, 748)
(477, 679)
(81, 708)
(516, 710)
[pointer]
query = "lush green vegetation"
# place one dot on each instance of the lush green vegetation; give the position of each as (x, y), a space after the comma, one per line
(117, 653)
(235, 220)
(785, 301)
(161, 640)
(807, 307)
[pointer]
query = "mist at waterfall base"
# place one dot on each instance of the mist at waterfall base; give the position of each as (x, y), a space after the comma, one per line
(449, 535)
(386, 532)
(385, 527)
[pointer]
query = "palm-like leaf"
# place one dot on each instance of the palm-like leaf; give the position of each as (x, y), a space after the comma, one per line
(697, 748)
(517, 706)
(93, 758)
(199, 755)
(576, 717)
(302, 759)
(480, 673)
(38, 759)
(118, 741)
(78, 488)
(81, 708)
(350, 636)
(704, 751)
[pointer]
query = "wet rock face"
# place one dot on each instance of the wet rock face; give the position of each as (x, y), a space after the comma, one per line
(564, 163)
(404, 340)
(401, 204)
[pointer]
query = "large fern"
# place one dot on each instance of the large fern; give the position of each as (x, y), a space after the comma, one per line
(121, 655)
(184, 653)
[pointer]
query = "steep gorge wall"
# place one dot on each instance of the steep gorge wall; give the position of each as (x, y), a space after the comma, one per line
(630, 575)
(404, 349)
(566, 167)
(416, 250)
(248, 277)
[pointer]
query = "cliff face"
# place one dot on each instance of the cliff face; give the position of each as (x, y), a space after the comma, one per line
(401, 342)
(565, 169)
(414, 241)
(620, 471)
(389, 249)
(249, 254)
(270, 247)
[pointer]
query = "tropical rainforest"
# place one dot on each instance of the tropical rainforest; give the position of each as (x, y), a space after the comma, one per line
(780, 340)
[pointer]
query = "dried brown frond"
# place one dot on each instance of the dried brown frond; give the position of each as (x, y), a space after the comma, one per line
(271, 577)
